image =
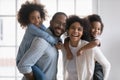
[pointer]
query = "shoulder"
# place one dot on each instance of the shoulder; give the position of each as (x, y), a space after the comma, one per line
(97, 50)
(33, 27)
(84, 42)
(97, 39)
(40, 40)
(39, 43)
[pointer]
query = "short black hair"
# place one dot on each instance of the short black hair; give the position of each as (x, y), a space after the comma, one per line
(58, 13)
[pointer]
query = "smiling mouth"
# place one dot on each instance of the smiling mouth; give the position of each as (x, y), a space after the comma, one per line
(75, 35)
(58, 30)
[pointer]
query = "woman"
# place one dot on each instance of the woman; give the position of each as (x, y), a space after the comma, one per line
(81, 67)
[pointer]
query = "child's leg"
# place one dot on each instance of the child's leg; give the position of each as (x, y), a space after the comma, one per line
(98, 72)
(38, 74)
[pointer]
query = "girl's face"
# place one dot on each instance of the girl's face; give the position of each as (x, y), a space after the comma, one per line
(96, 29)
(35, 18)
(75, 32)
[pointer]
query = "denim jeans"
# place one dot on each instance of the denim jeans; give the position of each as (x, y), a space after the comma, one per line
(38, 74)
(98, 72)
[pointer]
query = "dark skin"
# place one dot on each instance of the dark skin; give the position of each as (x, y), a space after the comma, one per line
(69, 53)
(29, 76)
(58, 29)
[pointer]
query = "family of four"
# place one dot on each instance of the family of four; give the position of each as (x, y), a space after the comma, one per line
(37, 57)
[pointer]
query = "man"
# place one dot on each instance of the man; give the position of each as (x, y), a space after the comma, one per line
(41, 53)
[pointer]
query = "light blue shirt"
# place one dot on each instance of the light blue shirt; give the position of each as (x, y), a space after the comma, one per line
(31, 32)
(42, 54)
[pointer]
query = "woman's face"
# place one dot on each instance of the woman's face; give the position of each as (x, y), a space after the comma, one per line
(75, 32)
(95, 28)
(35, 18)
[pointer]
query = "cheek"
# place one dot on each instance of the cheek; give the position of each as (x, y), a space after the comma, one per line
(80, 34)
(92, 30)
(99, 32)
(63, 30)
(31, 21)
(69, 32)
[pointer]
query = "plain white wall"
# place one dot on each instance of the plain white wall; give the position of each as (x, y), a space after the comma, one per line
(110, 13)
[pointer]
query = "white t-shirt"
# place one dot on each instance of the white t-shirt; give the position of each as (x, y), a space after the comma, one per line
(82, 67)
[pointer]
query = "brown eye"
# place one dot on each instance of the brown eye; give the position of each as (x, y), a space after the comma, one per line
(39, 17)
(80, 29)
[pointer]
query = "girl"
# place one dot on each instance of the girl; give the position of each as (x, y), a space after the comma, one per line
(96, 29)
(31, 16)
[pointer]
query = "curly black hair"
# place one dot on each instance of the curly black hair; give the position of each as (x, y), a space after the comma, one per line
(72, 19)
(83, 22)
(26, 9)
(95, 17)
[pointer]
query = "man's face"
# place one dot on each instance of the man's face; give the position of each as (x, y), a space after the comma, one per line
(58, 25)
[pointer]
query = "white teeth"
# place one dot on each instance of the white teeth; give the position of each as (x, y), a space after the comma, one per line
(75, 35)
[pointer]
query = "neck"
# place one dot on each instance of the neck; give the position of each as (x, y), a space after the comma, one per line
(74, 44)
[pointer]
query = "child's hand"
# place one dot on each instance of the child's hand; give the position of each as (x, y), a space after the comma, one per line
(29, 76)
(80, 52)
(59, 45)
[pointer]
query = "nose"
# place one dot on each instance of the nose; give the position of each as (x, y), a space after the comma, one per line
(75, 30)
(96, 30)
(61, 26)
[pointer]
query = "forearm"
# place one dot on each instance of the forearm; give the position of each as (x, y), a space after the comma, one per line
(41, 33)
(66, 45)
(103, 62)
(91, 44)
(35, 52)
(106, 70)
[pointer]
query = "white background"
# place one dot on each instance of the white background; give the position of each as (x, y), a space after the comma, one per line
(110, 13)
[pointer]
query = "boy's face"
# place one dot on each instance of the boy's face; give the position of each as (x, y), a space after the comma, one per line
(96, 29)
(35, 18)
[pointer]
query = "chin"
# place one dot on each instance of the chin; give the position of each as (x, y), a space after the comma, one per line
(74, 39)
(58, 34)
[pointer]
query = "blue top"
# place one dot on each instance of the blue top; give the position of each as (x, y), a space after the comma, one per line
(31, 32)
(43, 55)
